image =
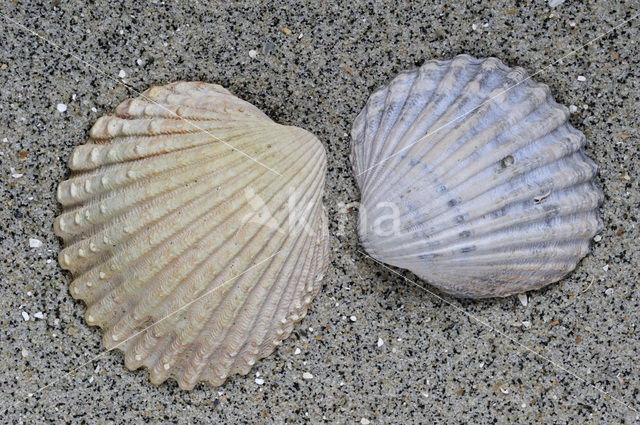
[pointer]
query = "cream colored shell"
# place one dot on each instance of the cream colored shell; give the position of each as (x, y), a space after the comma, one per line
(488, 183)
(195, 231)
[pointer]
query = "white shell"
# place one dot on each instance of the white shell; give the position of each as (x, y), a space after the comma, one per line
(472, 178)
(195, 231)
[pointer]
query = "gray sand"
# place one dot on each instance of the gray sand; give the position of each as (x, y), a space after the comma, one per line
(442, 359)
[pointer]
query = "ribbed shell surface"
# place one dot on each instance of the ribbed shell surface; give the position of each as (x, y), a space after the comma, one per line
(195, 231)
(472, 178)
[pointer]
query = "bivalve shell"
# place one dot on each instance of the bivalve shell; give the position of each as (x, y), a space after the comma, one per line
(195, 231)
(472, 178)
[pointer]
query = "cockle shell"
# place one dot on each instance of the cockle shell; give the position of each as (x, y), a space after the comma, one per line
(195, 231)
(472, 178)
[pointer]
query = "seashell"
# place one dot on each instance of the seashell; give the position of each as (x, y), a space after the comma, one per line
(472, 178)
(195, 231)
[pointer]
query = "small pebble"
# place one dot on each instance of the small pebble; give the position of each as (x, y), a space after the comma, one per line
(25, 316)
(555, 3)
(93, 109)
(573, 109)
(352, 318)
(297, 351)
(364, 421)
(5, 140)
(609, 291)
(259, 381)
(523, 299)
(35, 243)
(25, 352)
(73, 96)
(307, 375)
(582, 78)
(526, 324)
(597, 238)
(605, 267)
(122, 74)
(380, 342)
(61, 107)
(38, 315)
(286, 31)
(139, 62)
(474, 27)
(253, 54)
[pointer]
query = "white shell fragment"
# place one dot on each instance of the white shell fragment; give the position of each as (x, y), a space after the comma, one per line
(195, 231)
(472, 178)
